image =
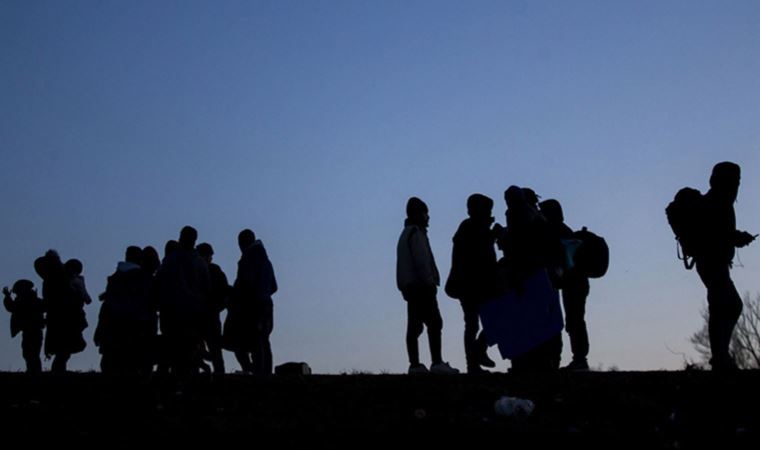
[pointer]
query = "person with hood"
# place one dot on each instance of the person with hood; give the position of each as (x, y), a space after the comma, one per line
(126, 323)
(27, 318)
(473, 276)
(250, 315)
(714, 259)
(417, 278)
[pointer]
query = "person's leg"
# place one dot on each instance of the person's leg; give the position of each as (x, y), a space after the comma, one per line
(414, 328)
(434, 322)
(31, 344)
(262, 357)
(472, 347)
(724, 306)
(59, 362)
(244, 359)
(574, 296)
(213, 337)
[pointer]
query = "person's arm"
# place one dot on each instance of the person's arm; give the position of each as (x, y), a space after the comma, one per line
(7, 301)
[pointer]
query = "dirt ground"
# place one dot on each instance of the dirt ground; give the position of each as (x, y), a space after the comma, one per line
(688, 409)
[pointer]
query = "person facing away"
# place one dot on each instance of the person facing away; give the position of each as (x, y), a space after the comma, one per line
(473, 276)
(65, 317)
(183, 285)
(574, 286)
(125, 323)
(211, 326)
(417, 278)
(714, 259)
(250, 315)
(27, 318)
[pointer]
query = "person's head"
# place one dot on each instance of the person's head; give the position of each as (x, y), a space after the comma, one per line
(725, 179)
(246, 238)
(170, 247)
(49, 265)
(417, 212)
(73, 267)
(514, 196)
(552, 211)
(23, 288)
(479, 207)
(187, 237)
(150, 260)
(133, 255)
(531, 197)
(205, 251)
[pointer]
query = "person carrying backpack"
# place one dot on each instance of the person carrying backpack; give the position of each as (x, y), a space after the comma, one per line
(714, 255)
(575, 289)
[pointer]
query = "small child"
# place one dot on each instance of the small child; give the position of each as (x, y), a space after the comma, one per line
(74, 272)
(27, 317)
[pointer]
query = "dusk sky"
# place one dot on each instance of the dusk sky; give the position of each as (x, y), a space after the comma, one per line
(312, 122)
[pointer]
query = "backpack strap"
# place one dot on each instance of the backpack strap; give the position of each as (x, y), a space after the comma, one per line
(688, 261)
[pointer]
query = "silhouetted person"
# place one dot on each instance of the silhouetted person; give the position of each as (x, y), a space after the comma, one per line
(184, 284)
(211, 328)
(528, 245)
(417, 278)
(74, 272)
(714, 258)
(126, 323)
(170, 247)
(156, 354)
(473, 276)
(27, 318)
(150, 261)
(574, 286)
(65, 311)
(150, 264)
(526, 241)
(250, 313)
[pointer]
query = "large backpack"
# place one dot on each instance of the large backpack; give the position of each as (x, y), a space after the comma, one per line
(684, 216)
(592, 258)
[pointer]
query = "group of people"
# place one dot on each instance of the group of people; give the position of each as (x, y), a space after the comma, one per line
(532, 240)
(165, 314)
(155, 314)
(536, 238)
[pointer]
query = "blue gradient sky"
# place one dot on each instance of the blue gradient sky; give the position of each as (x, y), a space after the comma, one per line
(312, 122)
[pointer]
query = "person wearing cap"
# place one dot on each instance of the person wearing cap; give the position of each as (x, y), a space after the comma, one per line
(417, 278)
(714, 259)
(27, 318)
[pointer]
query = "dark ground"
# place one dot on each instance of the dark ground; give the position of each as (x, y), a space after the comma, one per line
(597, 409)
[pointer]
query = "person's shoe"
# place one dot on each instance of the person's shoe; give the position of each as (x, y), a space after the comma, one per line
(577, 365)
(477, 370)
(485, 361)
(415, 369)
(443, 368)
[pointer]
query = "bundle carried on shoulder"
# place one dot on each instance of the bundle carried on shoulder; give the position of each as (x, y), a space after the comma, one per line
(684, 215)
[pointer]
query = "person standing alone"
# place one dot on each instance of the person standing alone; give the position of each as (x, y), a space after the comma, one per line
(417, 278)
